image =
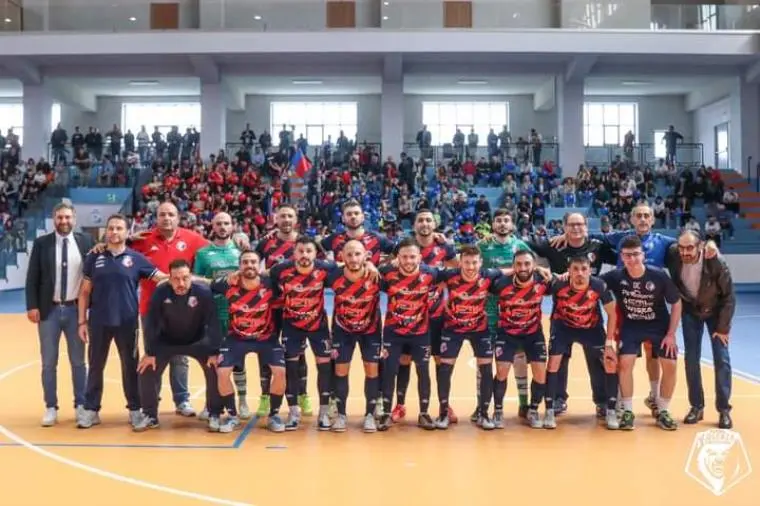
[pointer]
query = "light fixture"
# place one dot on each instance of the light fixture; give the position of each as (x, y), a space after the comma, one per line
(257, 17)
(635, 83)
(385, 18)
(306, 82)
(471, 82)
(8, 20)
(133, 18)
(386, 4)
(143, 82)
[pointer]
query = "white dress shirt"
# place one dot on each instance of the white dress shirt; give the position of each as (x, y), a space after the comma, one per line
(73, 269)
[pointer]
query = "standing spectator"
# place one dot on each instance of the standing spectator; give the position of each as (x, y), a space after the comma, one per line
(53, 280)
(58, 140)
(535, 141)
(671, 140)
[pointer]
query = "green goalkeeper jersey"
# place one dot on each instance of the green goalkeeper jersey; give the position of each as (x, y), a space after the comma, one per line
(215, 261)
(498, 256)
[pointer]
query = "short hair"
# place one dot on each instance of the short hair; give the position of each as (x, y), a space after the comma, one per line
(566, 217)
(502, 212)
(421, 211)
(469, 250)
(407, 242)
(350, 203)
(248, 252)
(63, 206)
(523, 253)
(178, 264)
(305, 239)
(285, 206)
(630, 242)
(117, 216)
(691, 232)
(580, 259)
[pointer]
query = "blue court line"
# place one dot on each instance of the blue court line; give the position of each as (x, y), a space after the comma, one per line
(245, 432)
(144, 446)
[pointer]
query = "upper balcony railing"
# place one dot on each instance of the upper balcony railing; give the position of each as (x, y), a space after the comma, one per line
(321, 15)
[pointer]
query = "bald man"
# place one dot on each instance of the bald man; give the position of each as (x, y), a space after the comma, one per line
(215, 261)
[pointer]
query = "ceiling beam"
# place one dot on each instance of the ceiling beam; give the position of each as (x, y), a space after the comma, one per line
(752, 74)
(482, 70)
(287, 69)
(393, 67)
(23, 71)
(121, 71)
(71, 94)
(660, 69)
(206, 68)
(579, 67)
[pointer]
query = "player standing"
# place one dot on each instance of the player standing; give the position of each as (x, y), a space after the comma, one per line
(353, 219)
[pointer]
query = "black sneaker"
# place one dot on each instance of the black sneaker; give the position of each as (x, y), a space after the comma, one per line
(384, 422)
(601, 412)
(665, 421)
(626, 421)
(522, 412)
(475, 415)
(425, 421)
(560, 406)
(651, 403)
(694, 415)
(725, 422)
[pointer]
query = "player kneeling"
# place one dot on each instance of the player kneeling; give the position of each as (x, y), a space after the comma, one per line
(577, 318)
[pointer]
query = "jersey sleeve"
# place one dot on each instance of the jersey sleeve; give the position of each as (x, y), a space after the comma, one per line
(451, 252)
(605, 294)
(522, 245)
(199, 265)
(89, 264)
(609, 278)
(199, 242)
(145, 269)
(384, 270)
(219, 285)
(671, 291)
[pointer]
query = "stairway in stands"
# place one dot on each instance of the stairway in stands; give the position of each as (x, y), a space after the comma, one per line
(749, 197)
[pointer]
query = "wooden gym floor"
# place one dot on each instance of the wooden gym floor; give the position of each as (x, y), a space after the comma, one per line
(182, 464)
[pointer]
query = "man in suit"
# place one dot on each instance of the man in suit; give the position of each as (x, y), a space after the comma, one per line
(52, 287)
(708, 299)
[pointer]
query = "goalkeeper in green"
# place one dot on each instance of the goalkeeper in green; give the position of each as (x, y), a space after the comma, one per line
(218, 259)
(498, 251)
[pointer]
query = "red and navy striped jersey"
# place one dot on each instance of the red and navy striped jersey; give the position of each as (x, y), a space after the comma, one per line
(520, 306)
(408, 312)
(465, 310)
(436, 255)
(373, 242)
(303, 295)
(250, 311)
(274, 250)
(580, 309)
(357, 303)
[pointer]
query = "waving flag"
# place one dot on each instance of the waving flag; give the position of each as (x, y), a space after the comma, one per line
(300, 163)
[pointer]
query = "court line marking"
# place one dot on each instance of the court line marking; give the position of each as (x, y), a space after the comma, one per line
(101, 472)
(123, 446)
(245, 432)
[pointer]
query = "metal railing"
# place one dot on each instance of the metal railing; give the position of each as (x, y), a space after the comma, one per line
(445, 153)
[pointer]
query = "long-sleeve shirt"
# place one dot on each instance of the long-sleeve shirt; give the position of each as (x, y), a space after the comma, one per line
(182, 320)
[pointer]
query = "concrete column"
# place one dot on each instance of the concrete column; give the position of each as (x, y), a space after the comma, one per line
(213, 119)
(392, 117)
(569, 99)
(38, 108)
(744, 128)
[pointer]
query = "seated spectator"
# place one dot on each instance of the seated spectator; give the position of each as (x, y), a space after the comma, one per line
(713, 230)
(731, 200)
(693, 225)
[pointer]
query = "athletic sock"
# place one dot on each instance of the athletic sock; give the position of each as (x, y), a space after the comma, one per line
(324, 373)
(628, 403)
(423, 386)
(303, 374)
(265, 377)
(341, 392)
(611, 387)
(241, 383)
(536, 393)
(654, 389)
(551, 389)
(499, 391)
(371, 393)
(486, 386)
(522, 389)
(402, 382)
(274, 404)
(443, 372)
(228, 402)
(479, 399)
(663, 404)
(291, 388)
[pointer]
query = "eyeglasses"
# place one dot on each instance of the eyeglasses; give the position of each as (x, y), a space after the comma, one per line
(631, 254)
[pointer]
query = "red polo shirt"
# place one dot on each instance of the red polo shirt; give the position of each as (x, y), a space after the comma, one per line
(161, 253)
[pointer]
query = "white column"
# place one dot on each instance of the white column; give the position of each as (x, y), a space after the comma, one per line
(569, 99)
(744, 128)
(392, 117)
(38, 108)
(213, 119)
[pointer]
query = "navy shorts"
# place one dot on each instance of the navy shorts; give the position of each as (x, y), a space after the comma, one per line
(233, 352)
(451, 345)
(631, 345)
(562, 339)
(436, 334)
(507, 345)
(344, 344)
(295, 344)
(416, 346)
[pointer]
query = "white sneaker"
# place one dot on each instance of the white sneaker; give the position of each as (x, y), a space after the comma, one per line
(135, 418)
(50, 417)
(78, 411)
(613, 423)
(369, 423)
(229, 425)
(534, 419)
(244, 411)
(550, 422)
(185, 409)
(214, 424)
(88, 419)
(203, 416)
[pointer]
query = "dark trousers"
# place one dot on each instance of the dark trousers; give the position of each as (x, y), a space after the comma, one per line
(150, 380)
(693, 330)
(97, 356)
(595, 373)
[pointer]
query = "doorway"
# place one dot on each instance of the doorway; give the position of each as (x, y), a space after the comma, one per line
(722, 156)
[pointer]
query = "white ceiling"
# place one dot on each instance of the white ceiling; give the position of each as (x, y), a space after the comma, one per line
(449, 85)
(121, 87)
(281, 85)
(637, 85)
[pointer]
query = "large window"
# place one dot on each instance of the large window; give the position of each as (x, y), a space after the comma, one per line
(708, 17)
(164, 115)
(12, 116)
(606, 124)
(314, 120)
(443, 119)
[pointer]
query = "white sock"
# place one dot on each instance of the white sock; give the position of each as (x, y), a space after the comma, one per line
(663, 404)
(654, 388)
(628, 404)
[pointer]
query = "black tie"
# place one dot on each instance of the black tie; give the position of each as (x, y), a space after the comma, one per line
(64, 268)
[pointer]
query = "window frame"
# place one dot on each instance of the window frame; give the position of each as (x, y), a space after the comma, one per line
(448, 117)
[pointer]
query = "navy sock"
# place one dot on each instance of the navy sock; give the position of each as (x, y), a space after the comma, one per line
(303, 374)
(443, 373)
(562, 378)
(341, 392)
(324, 379)
(423, 386)
(371, 393)
(486, 386)
(611, 386)
(536, 393)
(228, 402)
(265, 377)
(402, 382)
(275, 401)
(551, 389)
(499, 391)
(291, 388)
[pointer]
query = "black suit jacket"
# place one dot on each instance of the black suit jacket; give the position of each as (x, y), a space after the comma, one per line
(40, 275)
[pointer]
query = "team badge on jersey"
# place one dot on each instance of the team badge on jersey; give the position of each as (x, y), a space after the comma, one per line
(649, 286)
(591, 257)
(127, 262)
(192, 301)
(181, 246)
